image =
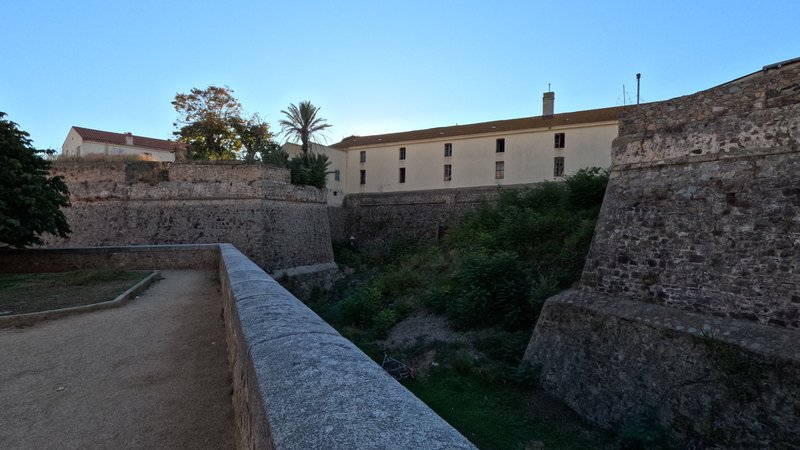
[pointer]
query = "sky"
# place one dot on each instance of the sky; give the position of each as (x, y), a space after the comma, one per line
(371, 66)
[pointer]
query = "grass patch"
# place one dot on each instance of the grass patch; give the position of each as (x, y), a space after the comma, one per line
(26, 293)
(496, 416)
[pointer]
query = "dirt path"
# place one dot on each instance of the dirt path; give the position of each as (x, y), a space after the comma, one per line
(151, 374)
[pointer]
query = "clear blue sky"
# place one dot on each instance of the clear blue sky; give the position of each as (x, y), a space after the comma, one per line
(372, 66)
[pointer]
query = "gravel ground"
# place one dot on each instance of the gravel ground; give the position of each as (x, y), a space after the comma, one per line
(151, 374)
(422, 325)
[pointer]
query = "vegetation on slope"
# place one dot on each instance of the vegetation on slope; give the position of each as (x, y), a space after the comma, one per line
(489, 276)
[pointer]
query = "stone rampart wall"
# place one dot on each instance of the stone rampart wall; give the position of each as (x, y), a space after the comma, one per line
(278, 225)
(375, 219)
(702, 211)
(688, 306)
(754, 114)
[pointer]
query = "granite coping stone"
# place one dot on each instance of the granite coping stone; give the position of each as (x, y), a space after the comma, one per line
(328, 392)
(318, 389)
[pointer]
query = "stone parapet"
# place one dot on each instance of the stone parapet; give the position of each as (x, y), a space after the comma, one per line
(298, 384)
(752, 112)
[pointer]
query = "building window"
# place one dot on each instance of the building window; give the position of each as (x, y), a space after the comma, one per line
(402, 153)
(402, 174)
(363, 156)
(499, 170)
(500, 146)
(363, 176)
(558, 166)
(336, 175)
(448, 172)
(448, 150)
(559, 140)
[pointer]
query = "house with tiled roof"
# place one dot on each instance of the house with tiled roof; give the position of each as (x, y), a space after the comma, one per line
(86, 141)
(502, 152)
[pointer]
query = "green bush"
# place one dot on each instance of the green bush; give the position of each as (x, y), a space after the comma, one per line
(310, 169)
(491, 290)
(549, 226)
(384, 321)
(587, 187)
(361, 308)
(344, 253)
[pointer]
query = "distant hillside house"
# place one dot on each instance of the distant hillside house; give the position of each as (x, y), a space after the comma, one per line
(85, 141)
(502, 152)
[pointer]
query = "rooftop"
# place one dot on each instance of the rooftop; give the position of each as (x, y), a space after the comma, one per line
(119, 138)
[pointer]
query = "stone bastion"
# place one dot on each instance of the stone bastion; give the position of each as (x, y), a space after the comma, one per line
(688, 307)
(282, 227)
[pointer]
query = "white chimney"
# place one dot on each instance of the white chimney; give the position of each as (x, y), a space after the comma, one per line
(128, 139)
(548, 100)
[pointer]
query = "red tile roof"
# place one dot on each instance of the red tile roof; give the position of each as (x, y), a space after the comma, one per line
(526, 123)
(119, 139)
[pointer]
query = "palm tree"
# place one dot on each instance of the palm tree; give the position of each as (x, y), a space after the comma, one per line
(302, 123)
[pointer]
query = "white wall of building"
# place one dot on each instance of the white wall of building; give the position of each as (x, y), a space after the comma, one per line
(528, 158)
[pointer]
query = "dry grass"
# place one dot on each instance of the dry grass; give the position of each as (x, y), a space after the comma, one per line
(24, 293)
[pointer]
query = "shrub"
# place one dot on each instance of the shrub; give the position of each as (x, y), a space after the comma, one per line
(587, 187)
(361, 308)
(491, 290)
(310, 169)
(384, 321)
(344, 253)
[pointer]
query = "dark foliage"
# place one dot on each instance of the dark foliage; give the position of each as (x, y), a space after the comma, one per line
(310, 169)
(30, 199)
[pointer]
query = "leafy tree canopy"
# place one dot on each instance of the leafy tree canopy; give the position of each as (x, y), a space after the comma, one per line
(211, 123)
(30, 200)
(302, 124)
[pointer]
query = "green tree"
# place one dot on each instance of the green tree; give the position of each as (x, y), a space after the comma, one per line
(30, 199)
(207, 119)
(254, 137)
(272, 153)
(301, 123)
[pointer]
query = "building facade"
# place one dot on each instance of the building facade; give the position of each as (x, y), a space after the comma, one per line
(504, 152)
(85, 141)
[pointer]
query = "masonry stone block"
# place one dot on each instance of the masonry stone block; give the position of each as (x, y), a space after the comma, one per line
(686, 306)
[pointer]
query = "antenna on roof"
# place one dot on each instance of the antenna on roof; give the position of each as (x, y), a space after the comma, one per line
(638, 79)
(548, 87)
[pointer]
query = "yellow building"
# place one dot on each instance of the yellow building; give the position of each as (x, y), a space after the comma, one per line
(503, 152)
